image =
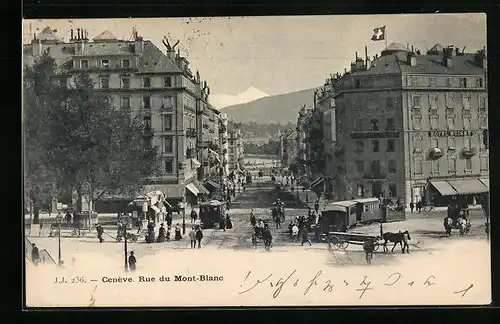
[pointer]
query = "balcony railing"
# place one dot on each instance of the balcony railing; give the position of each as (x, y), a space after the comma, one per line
(469, 152)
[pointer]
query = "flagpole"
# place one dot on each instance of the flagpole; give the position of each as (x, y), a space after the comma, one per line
(385, 39)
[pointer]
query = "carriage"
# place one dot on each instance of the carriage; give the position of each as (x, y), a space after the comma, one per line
(211, 213)
(341, 240)
(278, 211)
(132, 237)
(457, 219)
(262, 234)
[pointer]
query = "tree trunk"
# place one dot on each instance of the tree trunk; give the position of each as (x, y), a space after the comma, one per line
(36, 208)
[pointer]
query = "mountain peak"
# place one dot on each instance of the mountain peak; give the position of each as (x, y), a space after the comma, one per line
(225, 100)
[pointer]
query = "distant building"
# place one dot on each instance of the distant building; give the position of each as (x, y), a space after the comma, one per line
(235, 150)
(142, 79)
(303, 144)
(409, 126)
(288, 148)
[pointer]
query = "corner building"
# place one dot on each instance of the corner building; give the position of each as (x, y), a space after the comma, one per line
(410, 126)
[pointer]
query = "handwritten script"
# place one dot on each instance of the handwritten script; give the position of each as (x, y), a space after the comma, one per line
(277, 284)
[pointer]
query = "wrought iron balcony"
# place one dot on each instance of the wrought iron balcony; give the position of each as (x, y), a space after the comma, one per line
(469, 151)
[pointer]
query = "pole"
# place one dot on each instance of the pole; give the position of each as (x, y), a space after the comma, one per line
(125, 247)
(184, 214)
(59, 242)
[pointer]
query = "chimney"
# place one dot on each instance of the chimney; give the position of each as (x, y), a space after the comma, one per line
(457, 51)
(78, 33)
(356, 58)
(37, 47)
(411, 59)
(447, 56)
(139, 45)
(71, 38)
(353, 67)
(412, 48)
(367, 59)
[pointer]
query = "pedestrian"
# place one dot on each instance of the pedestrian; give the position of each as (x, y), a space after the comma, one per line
(222, 223)
(100, 231)
(132, 261)
(194, 216)
(192, 237)
(316, 205)
(178, 235)
(35, 254)
(68, 217)
(305, 236)
(229, 224)
(412, 205)
(162, 235)
(419, 206)
(199, 236)
(295, 233)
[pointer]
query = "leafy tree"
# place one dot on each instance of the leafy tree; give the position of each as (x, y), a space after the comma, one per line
(81, 137)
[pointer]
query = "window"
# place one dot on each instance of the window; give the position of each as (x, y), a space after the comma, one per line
(375, 167)
(167, 122)
(416, 101)
(389, 103)
(392, 166)
(361, 191)
(433, 101)
(434, 122)
(168, 144)
(390, 124)
(126, 83)
(482, 122)
(467, 142)
(484, 163)
(104, 82)
(435, 166)
(390, 145)
(434, 143)
(451, 143)
(169, 166)
(450, 122)
(449, 100)
(146, 102)
(466, 123)
(452, 165)
(167, 82)
(360, 166)
(468, 164)
(358, 105)
(418, 166)
(84, 64)
(146, 82)
(357, 83)
(105, 63)
(374, 124)
(464, 82)
(448, 82)
(358, 124)
(125, 63)
(466, 102)
(168, 102)
(359, 147)
(147, 143)
(375, 146)
(417, 122)
(418, 143)
(479, 82)
(147, 122)
(482, 102)
(432, 82)
(393, 190)
(125, 103)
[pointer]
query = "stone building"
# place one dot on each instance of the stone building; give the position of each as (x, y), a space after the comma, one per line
(235, 150)
(144, 80)
(409, 126)
(288, 148)
(302, 144)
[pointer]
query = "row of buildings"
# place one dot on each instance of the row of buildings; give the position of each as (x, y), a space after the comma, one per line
(404, 125)
(197, 149)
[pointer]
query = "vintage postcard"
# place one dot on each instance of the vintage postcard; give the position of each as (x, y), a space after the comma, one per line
(256, 161)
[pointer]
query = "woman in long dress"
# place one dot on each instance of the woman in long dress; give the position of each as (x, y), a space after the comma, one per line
(229, 224)
(161, 234)
(178, 235)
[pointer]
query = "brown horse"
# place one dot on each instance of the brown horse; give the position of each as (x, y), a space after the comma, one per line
(400, 238)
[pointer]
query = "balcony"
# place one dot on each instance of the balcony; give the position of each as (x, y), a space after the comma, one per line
(374, 176)
(148, 131)
(166, 108)
(435, 153)
(191, 132)
(469, 152)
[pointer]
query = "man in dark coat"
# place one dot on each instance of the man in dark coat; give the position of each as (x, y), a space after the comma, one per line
(132, 261)
(35, 254)
(222, 223)
(199, 236)
(100, 231)
(194, 216)
(305, 235)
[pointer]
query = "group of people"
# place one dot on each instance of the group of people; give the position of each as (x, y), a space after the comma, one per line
(418, 206)
(196, 235)
(298, 228)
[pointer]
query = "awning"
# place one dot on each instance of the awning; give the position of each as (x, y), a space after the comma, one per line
(213, 184)
(486, 182)
(191, 187)
(170, 190)
(444, 188)
(317, 182)
(468, 186)
(195, 164)
(200, 187)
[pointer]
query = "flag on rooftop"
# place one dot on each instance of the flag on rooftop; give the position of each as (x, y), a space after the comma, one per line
(378, 34)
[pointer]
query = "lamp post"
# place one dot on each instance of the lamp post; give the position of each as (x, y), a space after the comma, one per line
(59, 220)
(124, 221)
(87, 187)
(183, 206)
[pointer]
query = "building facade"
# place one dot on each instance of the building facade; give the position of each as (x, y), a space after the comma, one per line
(144, 80)
(288, 148)
(235, 150)
(409, 126)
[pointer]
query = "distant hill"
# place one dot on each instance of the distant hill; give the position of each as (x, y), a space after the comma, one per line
(281, 108)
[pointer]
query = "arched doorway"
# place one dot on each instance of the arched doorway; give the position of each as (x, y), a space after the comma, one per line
(376, 189)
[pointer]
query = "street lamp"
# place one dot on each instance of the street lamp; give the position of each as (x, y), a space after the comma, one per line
(124, 220)
(87, 187)
(183, 206)
(59, 221)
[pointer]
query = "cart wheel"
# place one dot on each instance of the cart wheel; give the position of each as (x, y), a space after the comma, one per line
(333, 243)
(343, 245)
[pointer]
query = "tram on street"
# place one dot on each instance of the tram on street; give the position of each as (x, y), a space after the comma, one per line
(211, 213)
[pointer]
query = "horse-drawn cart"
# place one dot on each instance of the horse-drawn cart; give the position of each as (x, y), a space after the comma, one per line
(262, 234)
(341, 240)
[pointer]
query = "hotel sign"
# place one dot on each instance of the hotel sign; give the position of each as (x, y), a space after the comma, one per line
(375, 134)
(450, 133)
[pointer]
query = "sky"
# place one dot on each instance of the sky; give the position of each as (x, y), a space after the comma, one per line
(245, 58)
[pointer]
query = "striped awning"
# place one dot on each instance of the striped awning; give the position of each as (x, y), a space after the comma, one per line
(191, 187)
(468, 186)
(317, 182)
(200, 187)
(444, 188)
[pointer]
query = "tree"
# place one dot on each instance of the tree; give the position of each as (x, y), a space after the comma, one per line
(83, 138)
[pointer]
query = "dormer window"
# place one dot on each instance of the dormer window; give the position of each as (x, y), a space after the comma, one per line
(105, 63)
(146, 82)
(167, 82)
(357, 83)
(464, 82)
(125, 63)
